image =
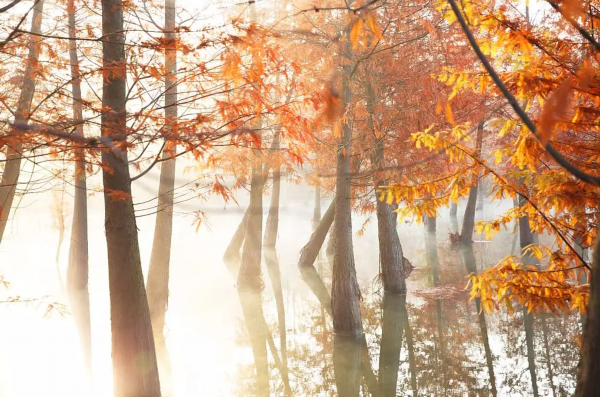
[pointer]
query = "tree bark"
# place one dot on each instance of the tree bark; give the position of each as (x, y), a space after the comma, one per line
(466, 235)
(78, 268)
(345, 292)
(12, 167)
(309, 254)
(272, 262)
(390, 249)
(160, 257)
(133, 353)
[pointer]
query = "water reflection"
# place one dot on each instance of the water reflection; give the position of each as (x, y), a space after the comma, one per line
(432, 342)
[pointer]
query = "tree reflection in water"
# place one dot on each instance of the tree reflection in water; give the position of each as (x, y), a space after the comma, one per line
(431, 342)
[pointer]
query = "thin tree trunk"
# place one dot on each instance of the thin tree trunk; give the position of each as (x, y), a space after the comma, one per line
(309, 254)
(466, 235)
(133, 353)
(12, 166)
(453, 218)
(160, 257)
(390, 249)
(548, 358)
(78, 268)
(480, 195)
(411, 356)
(392, 329)
(232, 256)
(272, 262)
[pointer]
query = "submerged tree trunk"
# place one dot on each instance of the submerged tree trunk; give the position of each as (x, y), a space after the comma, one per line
(272, 262)
(12, 166)
(309, 254)
(411, 356)
(466, 234)
(133, 353)
(160, 257)
(390, 249)
(78, 268)
(392, 328)
(232, 256)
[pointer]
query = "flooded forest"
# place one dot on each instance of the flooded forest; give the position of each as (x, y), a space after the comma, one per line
(299, 198)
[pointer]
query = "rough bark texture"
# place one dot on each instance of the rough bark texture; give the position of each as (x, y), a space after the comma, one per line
(272, 262)
(309, 254)
(134, 358)
(344, 290)
(78, 268)
(160, 257)
(390, 249)
(392, 329)
(12, 167)
(466, 234)
(588, 378)
(347, 365)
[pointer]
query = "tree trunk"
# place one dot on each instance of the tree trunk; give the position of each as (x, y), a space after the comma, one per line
(272, 262)
(466, 235)
(345, 292)
(480, 195)
(308, 255)
(12, 167)
(548, 358)
(232, 256)
(392, 328)
(250, 282)
(78, 268)
(158, 272)
(588, 377)
(411, 356)
(390, 249)
(317, 210)
(133, 353)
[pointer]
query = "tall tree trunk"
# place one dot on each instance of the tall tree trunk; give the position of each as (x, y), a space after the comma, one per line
(160, 257)
(466, 235)
(390, 249)
(250, 283)
(78, 268)
(232, 256)
(480, 195)
(12, 167)
(392, 328)
(345, 293)
(133, 353)
(588, 377)
(272, 262)
(453, 218)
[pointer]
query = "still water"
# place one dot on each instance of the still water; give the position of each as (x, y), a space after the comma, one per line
(431, 342)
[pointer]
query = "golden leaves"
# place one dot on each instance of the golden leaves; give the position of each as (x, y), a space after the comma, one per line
(364, 27)
(449, 114)
(554, 106)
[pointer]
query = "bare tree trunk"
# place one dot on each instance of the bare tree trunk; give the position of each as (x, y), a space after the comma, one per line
(232, 256)
(133, 353)
(78, 269)
(390, 249)
(308, 255)
(548, 358)
(272, 262)
(588, 377)
(160, 257)
(345, 292)
(392, 329)
(12, 167)
(466, 235)
(480, 195)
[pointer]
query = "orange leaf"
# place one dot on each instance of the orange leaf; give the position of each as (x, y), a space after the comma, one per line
(449, 115)
(556, 104)
(373, 26)
(117, 195)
